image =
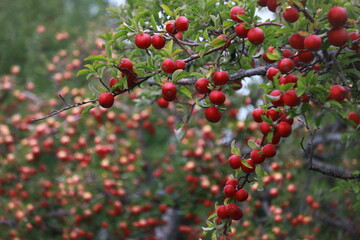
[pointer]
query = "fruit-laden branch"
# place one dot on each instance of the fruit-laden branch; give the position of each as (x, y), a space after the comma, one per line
(235, 76)
(242, 73)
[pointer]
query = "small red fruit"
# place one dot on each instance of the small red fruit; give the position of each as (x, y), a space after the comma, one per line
(234, 161)
(170, 27)
(125, 65)
(229, 191)
(271, 72)
(337, 92)
(269, 150)
(283, 129)
(287, 53)
(313, 43)
(217, 97)
(280, 101)
(113, 81)
(241, 195)
(241, 31)
(354, 36)
(257, 156)
(337, 16)
(291, 98)
(291, 79)
(272, 5)
(182, 24)
(233, 211)
(180, 64)
(158, 41)
(291, 15)
(296, 41)
(143, 40)
(220, 78)
(305, 56)
(338, 37)
(106, 99)
(162, 102)
(221, 212)
(257, 113)
(168, 65)
(169, 91)
(236, 11)
(272, 114)
(285, 65)
(212, 114)
(256, 36)
(246, 169)
(265, 128)
(223, 238)
(262, 3)
(201, 85)
(232, 181)
(353, 116)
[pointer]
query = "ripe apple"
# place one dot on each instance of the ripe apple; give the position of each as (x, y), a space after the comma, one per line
(313, 42)
(241, 31)
(236, 11)
(338, 37)
(337, 92)
(143, 40)
(291, 15)
(234, 162)
(158, 41)
(201, 85)
(256, 36)
(182, 24)
(106, 99)
(220, 78)
(296, 41)
(217, 97)
(337, 16)
(168, 65)
(212, 114)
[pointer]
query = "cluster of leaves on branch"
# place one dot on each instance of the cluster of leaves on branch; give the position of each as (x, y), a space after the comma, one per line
(181, 71)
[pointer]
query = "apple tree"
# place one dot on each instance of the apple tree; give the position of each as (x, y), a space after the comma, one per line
(214, 120)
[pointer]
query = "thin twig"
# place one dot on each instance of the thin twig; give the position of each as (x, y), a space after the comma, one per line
(64, 100)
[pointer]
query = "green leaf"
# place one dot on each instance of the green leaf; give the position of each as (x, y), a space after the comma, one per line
(244, 18)
(206, 35)
(176, 75)
(260, 173)
(98, 58)
(82, 72)
(275, 55)
(166, 9)
(218, 42)
(245, 163)
(300, 91)
(228, 24)
(185, 91)
(86, 110)
(153, 22)
(179, 125)
(272, 98)
(253, 145)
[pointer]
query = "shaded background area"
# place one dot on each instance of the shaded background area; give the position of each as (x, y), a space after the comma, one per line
(31, 30)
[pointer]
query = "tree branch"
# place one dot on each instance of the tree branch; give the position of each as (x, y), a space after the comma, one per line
(332, 171)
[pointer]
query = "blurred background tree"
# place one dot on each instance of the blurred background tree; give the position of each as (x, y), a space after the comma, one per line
(22, 21)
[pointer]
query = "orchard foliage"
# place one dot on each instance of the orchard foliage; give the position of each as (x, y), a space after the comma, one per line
(214, 120)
